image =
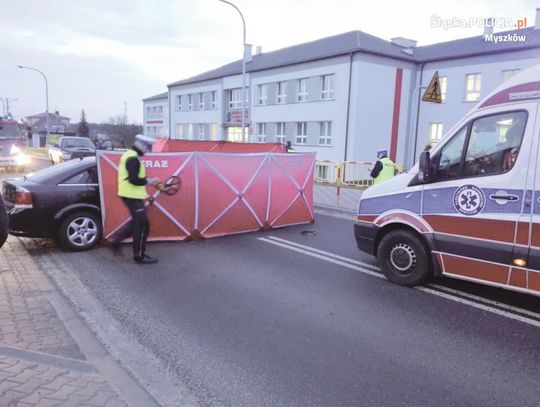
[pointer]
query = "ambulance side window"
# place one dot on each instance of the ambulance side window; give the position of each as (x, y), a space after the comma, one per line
(447, 162)
(494, 143)
(487, 145)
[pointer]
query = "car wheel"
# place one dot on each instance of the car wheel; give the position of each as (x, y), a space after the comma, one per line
(79, 231)
(404, 258)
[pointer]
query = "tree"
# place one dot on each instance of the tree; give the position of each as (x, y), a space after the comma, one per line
(84, 129)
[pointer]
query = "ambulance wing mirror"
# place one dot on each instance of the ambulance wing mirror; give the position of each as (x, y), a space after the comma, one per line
(424, 168)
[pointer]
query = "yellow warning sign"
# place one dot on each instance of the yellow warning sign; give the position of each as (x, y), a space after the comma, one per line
(433, 91)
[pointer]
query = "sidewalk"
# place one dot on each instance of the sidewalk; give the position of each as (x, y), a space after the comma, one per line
(41, 364)
(329, 196)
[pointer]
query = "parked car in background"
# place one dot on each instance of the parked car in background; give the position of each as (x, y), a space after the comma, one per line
(68, 147)
(12, 145)
(3, 223)
(59, 202)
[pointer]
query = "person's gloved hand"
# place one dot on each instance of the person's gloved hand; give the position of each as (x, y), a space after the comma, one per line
(153, 181)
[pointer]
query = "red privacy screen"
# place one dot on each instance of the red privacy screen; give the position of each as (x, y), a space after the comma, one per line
(219, 194)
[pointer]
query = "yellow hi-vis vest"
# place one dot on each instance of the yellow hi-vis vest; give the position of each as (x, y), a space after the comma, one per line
(125, 188)
(387, 171)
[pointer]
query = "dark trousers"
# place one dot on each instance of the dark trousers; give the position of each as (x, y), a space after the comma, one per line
(138, 227)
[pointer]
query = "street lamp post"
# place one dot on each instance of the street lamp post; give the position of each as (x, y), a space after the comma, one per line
(46, 96)
(243, 69)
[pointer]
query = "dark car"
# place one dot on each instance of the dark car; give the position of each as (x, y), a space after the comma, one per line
(68, 148)
(59, 202)
(3, 223)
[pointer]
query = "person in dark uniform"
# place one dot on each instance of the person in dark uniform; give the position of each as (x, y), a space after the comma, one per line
(132, 190)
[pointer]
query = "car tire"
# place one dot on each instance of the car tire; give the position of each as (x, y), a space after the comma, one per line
(79, 231)
(404, 258)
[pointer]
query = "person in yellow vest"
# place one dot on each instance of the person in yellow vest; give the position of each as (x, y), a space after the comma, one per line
(132, 190)
(384, 168)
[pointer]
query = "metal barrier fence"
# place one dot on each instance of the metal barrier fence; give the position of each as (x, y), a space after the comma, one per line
(354, 174)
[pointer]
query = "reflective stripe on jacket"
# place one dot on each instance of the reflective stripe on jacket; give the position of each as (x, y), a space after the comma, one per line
(125, 188)
(387, 171)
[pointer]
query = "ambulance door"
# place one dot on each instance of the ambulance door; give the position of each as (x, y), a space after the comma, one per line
(476, 198)
(532, 278)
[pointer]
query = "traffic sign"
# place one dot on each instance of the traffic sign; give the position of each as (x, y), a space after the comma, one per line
(433, 91)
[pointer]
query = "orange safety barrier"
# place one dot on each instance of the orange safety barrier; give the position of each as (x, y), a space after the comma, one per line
(169, 145)
(220, 193)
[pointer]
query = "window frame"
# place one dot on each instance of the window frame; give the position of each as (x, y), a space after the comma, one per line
(302, 136)
(302, 92)
(201, 101)
(465, 147)
(281, 137)
(282, 97)
(179, 102)
(261, 132)
(474, 91)
(327, 93)
(190, 101)
(327, 136)
(213, 99)
(262, 94)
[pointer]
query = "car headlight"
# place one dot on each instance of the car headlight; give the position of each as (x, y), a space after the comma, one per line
(66, 155)
(15, 149)
(22, 159)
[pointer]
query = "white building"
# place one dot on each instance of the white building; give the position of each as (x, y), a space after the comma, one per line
(349, 95)
(156, 115)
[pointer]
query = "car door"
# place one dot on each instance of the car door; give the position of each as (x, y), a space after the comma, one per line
(475, 203)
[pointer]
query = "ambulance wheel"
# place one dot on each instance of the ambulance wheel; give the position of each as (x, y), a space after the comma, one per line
(404, 258)
(79, 231)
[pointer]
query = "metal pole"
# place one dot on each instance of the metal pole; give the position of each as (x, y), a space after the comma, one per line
(243, 69)
(46, 95)
(412, 122)
(3, 107)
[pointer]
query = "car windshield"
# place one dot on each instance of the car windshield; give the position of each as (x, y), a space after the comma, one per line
(57, 170)
(77, 142)
(9, 132)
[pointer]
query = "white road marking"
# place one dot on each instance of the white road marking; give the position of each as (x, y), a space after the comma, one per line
(448, 293)
(329, 254)
(322, 257)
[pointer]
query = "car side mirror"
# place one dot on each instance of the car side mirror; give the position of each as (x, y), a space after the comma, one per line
(424, 168)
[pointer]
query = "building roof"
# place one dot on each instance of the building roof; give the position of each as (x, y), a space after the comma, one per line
(51, 114)
(163, 95)
(358, 41)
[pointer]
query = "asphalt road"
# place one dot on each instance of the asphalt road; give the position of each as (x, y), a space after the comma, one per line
(251, 320)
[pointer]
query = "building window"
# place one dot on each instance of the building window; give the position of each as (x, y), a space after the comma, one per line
(301, 133)
(474, 81)
(179, 102)
(179, 130)
(325, 135)
(235, 98)
(160, 112)
(202, 131)
(507, 74)
(214, 99)
(262, 94)
(443, 80)
(190, 101)
(190, 132)
(261, 132)
(201, 101)
(435, 133)
(213, 131)
(148, 110)
(282, 92)
(280, 133)
(302, 90)
(327, 91)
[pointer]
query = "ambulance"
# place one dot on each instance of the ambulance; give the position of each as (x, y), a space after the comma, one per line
(470, 208)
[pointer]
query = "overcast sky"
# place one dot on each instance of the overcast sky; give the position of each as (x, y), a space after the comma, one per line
(98, 54)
